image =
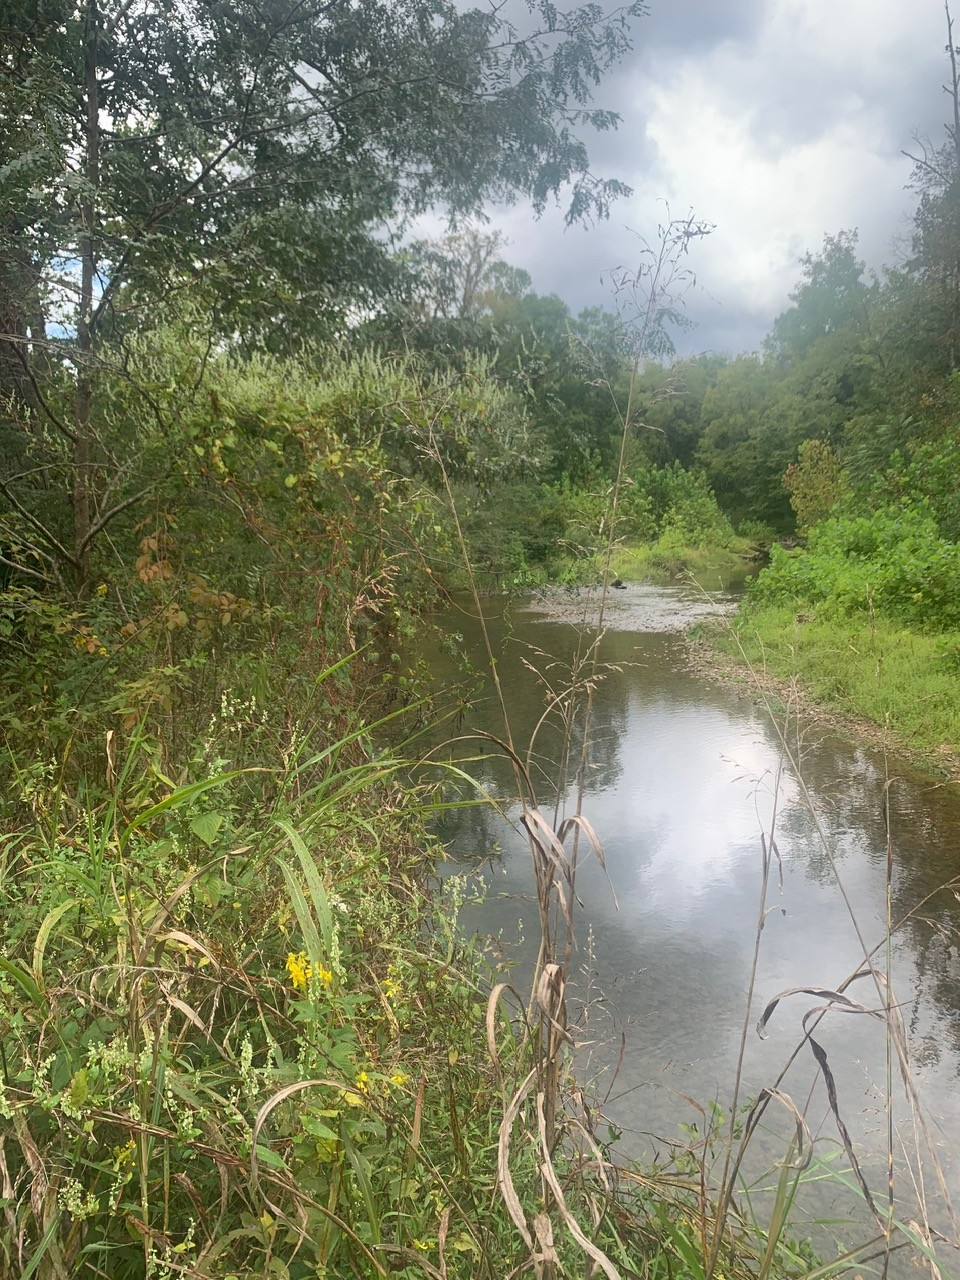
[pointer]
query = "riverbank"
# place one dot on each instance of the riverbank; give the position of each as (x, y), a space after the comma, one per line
(243, 1033)
(893, 689)
(663, 562)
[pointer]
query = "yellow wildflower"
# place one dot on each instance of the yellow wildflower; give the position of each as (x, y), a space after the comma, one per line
(356, 1097)
(399, 1079)
(299, 969)
(392, 984)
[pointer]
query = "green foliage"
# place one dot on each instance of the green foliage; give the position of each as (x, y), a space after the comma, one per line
(675, 505)
(745, 446)
(815, 482)
(295, 170)
(927, 474)
(563, 369)
(522, 533)
(239, 1031)
(893, 562)
(292, 521)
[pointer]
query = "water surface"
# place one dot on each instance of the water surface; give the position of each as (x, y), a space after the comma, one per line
(687, 780)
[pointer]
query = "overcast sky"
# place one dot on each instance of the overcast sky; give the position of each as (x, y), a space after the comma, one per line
(777, 120)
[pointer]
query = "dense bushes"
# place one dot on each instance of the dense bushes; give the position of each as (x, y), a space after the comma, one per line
(893, 561)
(283, 514)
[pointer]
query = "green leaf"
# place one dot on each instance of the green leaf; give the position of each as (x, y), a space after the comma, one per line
(43, 936)
(318, 895)
(206, 826)
(179, 797)
(267, 1156)
(24, 981)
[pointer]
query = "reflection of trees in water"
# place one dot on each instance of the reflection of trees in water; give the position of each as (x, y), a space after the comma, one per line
(854, 800)
(535, 682)
(471, 834)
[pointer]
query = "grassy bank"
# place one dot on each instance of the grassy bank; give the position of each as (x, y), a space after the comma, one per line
(665, 560)
(242, 1036)
(904, 681)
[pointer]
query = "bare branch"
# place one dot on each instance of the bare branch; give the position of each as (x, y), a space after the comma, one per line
(40, 527)
(105, 519)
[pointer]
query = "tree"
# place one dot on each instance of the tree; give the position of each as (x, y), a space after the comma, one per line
(933, 268)
(248, 156)
(831, 297)
(815, 482)
(457, 277)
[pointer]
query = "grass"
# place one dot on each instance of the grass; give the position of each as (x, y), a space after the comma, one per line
(663, 561)
(902, 680)
(267, 1050)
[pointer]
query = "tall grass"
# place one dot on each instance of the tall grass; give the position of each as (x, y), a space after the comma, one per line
(259, 1047)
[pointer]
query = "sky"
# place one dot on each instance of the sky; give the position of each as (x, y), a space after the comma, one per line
(778, 121)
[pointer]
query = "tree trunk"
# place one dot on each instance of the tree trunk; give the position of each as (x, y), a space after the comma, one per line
(83, 479)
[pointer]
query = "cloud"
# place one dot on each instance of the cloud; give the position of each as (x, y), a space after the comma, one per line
(779, 121)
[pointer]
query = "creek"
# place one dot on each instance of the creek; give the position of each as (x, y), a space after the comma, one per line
(687, 780)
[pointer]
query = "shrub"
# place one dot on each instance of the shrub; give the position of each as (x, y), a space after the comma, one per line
(894, 561)
(815, 482)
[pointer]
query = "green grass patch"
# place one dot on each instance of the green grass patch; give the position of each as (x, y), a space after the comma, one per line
(903, 680)
(664, 561)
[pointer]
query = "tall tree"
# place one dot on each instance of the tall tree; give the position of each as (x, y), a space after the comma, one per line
(457, 277)
(832, 296)
(251, 155)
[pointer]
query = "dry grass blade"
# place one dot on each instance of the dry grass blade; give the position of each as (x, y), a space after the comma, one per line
(411, 1255)
(443, 1230)
(192, 1017)
(822, 1061)
(580, 823)
(584, 824)
(546, 1250)
(836, 999)
(550, 1001)
(842, 1004)
(547, 841)
(804, 1136)
(515, 760)
(595, 1254)
(504, 1177)
(166, 910)
(493, 1000)
(191, 943)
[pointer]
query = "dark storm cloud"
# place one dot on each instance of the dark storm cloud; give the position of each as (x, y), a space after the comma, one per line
(688, 26)
(780, 120)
